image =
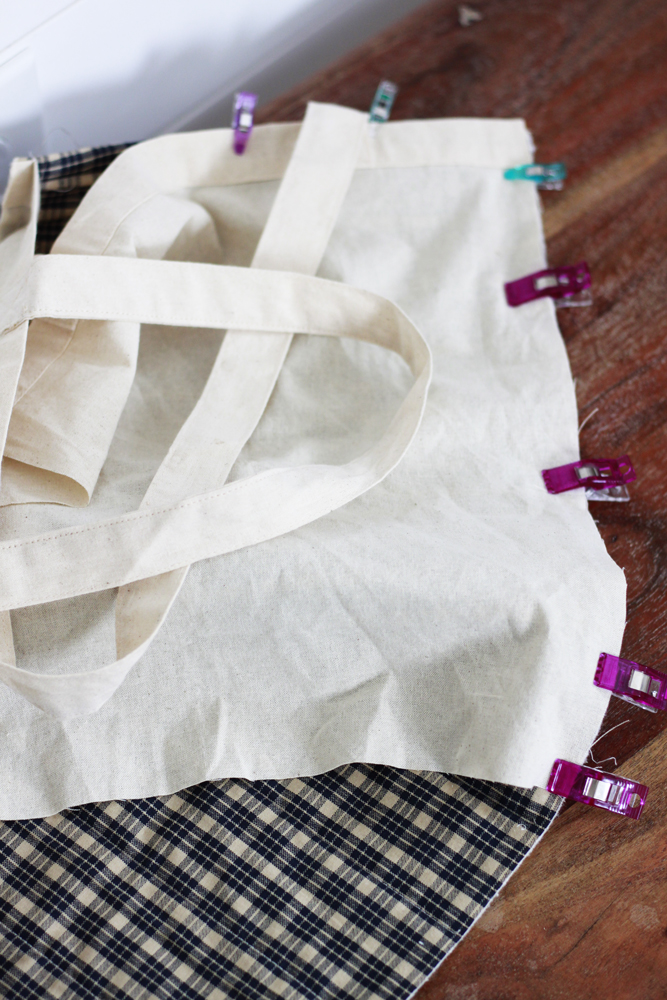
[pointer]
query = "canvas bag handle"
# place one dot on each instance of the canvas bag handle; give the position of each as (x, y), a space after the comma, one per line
(304, 211)
(153, 541)
(248, 511)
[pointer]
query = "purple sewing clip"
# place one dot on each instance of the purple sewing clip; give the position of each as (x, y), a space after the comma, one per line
(242, 119)
(597, 788)
(632, 682)
(598, 473)
(566, 285)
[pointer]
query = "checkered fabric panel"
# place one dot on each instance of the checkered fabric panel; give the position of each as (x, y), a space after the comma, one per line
(354, 884)
(65, 178)
(58, 168)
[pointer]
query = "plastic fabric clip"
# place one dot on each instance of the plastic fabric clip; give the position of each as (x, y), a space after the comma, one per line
(595, 474)
(632, 682)
(468, 15)
(597, 788)
(566, 285)
(547, 176)
(243, 119)
(382, 103)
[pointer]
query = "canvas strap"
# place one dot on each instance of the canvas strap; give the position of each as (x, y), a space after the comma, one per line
(188, 513)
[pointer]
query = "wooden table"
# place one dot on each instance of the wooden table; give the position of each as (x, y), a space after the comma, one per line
(586, 916)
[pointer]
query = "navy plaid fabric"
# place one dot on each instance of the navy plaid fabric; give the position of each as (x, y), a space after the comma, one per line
(64, 179)
(354, 884)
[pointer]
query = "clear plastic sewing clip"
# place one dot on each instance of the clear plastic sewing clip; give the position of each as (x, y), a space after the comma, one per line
(243, 119)
(602, 478)
(611, 494)
(468, 15)
(597, 788)
(547, 176)
(567, 286)
(632, 682)
(382, 103)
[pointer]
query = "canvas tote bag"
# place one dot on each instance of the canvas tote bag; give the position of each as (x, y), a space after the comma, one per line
(446, 616)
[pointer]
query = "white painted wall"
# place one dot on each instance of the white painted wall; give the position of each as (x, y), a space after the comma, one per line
(89, 72)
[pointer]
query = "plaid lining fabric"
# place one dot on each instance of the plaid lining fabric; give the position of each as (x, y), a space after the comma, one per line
(353, 884)
(64, 179)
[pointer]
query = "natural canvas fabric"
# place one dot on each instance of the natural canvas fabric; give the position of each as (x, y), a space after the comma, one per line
(450, 618)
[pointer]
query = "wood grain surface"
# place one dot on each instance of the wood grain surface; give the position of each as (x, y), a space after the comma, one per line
(586, 916)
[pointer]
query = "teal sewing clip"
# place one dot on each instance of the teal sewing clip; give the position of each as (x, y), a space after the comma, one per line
(548, 176)
(382, 102)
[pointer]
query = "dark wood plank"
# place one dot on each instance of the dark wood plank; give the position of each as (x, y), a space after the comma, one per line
(584, 918)
(586, 915)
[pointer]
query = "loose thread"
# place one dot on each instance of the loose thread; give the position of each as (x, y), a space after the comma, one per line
(605, 759)
(586, 419)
